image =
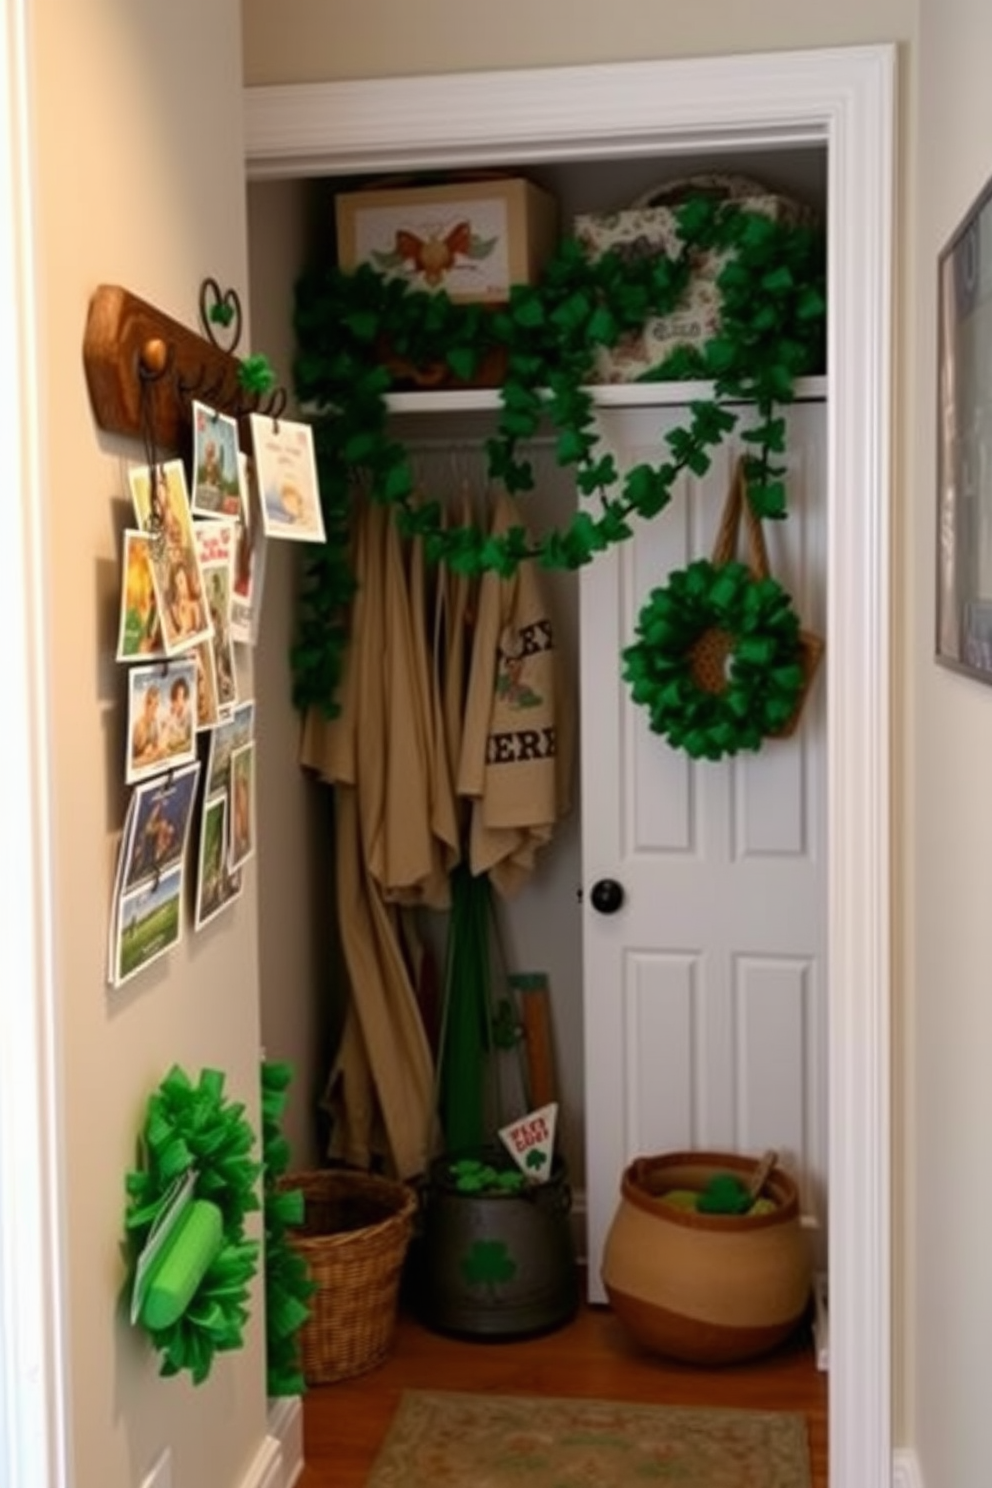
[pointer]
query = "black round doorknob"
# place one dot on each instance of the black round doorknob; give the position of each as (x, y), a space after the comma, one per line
(607, 895)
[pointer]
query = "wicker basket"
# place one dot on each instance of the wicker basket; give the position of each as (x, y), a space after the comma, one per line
(354, 1240)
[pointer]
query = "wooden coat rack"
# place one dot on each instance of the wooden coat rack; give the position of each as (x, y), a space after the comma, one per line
(143, 368)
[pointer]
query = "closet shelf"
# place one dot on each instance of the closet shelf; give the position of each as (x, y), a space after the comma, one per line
(605, 395)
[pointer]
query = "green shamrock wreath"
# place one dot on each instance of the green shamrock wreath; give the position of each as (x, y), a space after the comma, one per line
(718, 660)
(196, 1302)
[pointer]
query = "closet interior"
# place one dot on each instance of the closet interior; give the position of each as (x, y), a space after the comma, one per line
(291, 222)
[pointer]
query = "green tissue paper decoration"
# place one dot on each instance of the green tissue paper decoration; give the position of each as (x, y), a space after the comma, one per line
(288, 1287)
(194, 1129)
(772, 314)
(255, 374)
(764, 672)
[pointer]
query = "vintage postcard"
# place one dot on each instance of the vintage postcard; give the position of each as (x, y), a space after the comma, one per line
(161, 505)
(249, 563)
(208, 713)
(216, 886)
(286, 471)
(115, 900)
(158, 825)
(161, 709)
(216, 544)
(212, 863)
(149, 924)
(230, 734)
(139, 636)
(242, 812)
(231, 885)
(216, 466)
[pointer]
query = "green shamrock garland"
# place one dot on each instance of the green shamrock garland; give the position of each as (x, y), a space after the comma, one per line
(351, 327)
(288, 1287)
(194, 1128)
(763, 678)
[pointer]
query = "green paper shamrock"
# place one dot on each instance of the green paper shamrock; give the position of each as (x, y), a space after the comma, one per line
(255, 374)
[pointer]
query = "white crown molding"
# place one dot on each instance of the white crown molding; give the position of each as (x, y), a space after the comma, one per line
(591, 112)
(842, 99)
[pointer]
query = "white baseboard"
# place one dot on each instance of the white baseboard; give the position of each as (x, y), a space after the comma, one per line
(286, 1428)
(267, 1469)
(906, 1469)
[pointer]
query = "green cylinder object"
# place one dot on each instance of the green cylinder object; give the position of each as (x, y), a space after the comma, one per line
(182, 1264)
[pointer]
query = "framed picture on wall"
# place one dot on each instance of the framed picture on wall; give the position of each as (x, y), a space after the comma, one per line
(964, 445)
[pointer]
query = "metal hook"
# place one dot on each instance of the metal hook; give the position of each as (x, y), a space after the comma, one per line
(275, 406)
(154, 362)
(200, 388)
(220, 307)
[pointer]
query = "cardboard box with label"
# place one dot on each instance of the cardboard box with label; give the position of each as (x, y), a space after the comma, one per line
(473, 239)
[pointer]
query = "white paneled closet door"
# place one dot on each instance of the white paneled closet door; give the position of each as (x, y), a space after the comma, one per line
(705, 993)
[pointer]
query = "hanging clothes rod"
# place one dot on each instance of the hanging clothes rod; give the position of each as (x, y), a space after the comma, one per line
(432, 444)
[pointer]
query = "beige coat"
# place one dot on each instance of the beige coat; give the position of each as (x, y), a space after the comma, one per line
(380, 1090)
(516, 748)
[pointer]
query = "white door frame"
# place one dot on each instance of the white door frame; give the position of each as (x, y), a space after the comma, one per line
(843, 99)
(32, 1239)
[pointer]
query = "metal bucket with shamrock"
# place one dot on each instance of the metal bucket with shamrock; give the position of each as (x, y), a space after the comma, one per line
(496, 1257)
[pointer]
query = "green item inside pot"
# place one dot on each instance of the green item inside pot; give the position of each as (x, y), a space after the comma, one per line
(690, 1199)
(724, 1194)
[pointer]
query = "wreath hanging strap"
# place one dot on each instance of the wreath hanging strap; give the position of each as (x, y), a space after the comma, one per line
(720, 661)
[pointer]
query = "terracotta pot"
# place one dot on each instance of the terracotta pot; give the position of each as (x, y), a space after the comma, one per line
(706, 1288)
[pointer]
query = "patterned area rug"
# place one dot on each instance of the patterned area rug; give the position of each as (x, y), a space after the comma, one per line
(460, 1440)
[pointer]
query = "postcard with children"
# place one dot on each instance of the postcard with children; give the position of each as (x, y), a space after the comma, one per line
(230, 734)
(216, 885)
(216, 545)
(249, 562)
(217, 488)
(161, 708)
(208, 713)
(242, 793)
(139, 634)
(161, 505)
(158, 825)
(149, 923)
(286, 472)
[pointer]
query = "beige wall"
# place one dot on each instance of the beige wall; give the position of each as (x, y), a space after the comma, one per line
(298, 976)
(318, 40)
(138, 176)
(949, 805)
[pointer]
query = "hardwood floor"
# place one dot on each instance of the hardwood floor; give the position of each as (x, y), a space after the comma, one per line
(345, 1422)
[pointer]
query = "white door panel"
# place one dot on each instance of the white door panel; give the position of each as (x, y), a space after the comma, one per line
(705, 993)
